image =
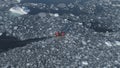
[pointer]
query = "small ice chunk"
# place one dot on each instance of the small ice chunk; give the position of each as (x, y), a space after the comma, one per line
(108, 43)
(117, 43)
(28, 64)
(84, 43)
(84, 62)
(99, 17)
(80, 23)
(34, 4)
(116, 5)
(16, 27)
(28, 51)
(42, 15)
(61, 5)
(55, 15)
(18, 1)
(72, 14)
(1, 34)
(1, 17)
(70, 5)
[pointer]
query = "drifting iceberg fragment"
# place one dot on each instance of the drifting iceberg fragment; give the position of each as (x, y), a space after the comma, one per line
(55, 15)
(18, 1)
(19, 10)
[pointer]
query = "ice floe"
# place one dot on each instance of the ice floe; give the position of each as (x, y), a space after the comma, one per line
(19, 10)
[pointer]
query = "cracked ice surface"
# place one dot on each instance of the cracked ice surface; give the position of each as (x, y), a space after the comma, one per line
(82, 46)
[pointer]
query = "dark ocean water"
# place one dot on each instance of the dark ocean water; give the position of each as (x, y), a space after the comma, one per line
(10, 42)
(48, 1)
(74, 11)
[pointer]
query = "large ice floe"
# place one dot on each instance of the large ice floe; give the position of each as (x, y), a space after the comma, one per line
(19, 10)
